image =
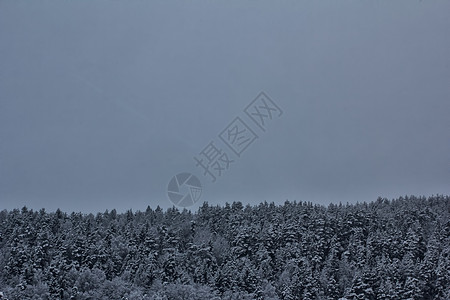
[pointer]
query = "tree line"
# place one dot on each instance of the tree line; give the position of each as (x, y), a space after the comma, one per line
(385, 249)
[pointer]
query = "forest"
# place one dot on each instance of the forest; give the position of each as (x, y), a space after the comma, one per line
(384, 249)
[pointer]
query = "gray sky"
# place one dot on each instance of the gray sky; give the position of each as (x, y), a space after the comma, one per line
(102, 102)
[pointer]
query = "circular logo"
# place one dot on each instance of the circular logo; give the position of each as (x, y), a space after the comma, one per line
(184, 189)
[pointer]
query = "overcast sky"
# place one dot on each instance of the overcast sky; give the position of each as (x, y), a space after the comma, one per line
(102, 102)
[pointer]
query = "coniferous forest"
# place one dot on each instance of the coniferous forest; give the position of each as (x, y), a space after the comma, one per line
(386, 249)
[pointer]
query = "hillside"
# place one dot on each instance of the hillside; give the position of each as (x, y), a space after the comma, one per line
(386, 249)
